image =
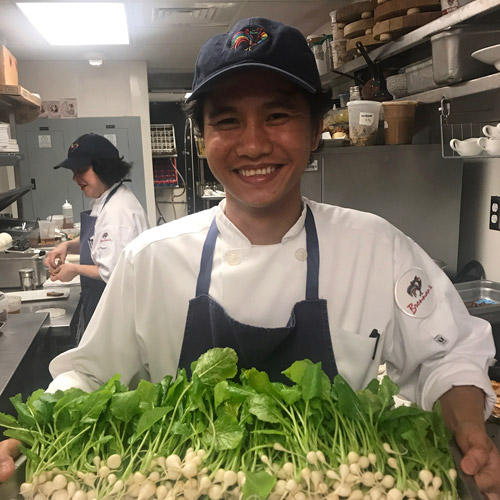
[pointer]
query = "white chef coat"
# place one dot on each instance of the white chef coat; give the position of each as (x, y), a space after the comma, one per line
(138, 326)
(118, 222)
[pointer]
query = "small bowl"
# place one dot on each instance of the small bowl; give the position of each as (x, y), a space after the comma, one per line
(397, 86)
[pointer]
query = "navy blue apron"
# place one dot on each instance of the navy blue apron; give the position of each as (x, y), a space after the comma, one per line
(92, 288)
(306, 335)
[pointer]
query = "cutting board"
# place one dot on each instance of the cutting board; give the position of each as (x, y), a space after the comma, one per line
(358, 28)
(368, 42)
(393, 28)
(354, 12)
(398, 8)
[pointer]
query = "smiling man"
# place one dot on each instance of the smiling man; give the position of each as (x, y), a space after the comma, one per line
(278, 277)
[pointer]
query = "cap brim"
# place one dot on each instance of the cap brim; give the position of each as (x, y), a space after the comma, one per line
(205, 85)
(75, 163)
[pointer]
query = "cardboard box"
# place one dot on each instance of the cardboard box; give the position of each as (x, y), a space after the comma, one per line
(8, 67)
(21, 95)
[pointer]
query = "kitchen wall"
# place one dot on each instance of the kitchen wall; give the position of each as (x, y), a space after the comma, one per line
(117, 88)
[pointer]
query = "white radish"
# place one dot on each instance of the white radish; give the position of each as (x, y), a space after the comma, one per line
(114, 461)
(321, 456)
(148, 489)
(161, 492)
(111, 479)
(356, 495)
(343, 491)
(343, 471)
(388, 449)
(387, 482)
(437, 482)
(410, 493)
(190, 469)
(96, 461)
(431, 492)
(154, 476)
(392, 463)
(292, 486)
(139, 477)
(91, 495)
(316, 478)
(322, 488)
(42, 478)
(230, 478)
(39, 496)
(241, 478)
(173, 462)
(215, 492)
(375, 493)
(71, 488)
(59, 482)
(312, 458)
(426, 477)
(79, 495)
(372, 458)
(26, 490)
(280, 487)
(394, 494)
(104, 471)
(364, 462)
(453, 474)
(331, 474)
(368, 479)
(352, 457)
(47, 488)
(422, 495)
(355, 468)
(378, 475)
(288, 469)
(117, 487)
(60, 495)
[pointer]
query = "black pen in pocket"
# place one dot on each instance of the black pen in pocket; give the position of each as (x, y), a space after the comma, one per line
(375, 335)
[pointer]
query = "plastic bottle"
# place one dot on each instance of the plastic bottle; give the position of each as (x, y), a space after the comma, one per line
(67, 211)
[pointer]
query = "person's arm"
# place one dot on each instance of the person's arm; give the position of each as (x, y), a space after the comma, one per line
(9, 450)
(463, 413)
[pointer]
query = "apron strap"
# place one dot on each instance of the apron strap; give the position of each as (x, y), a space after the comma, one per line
(112, 193)
(312, 280)
(207, 254)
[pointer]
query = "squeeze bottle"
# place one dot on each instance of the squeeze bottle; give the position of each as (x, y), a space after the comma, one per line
(67, 211)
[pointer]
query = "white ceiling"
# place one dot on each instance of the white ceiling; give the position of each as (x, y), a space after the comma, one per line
(165, 33)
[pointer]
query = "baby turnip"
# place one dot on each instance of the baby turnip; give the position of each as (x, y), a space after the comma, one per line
(356, 495)
(26, 490)
(394, 494)
(437, 482)
(148, 489)
(161, 492)
(453, 474)
(426, 477)
(352, 457)
(114, 461)
(392, 463)
(364, 462)
(190, 469)
(60, 495)
(372, 458)
(312, 458)
(215, 492)
(79, 495)
(292, 486)
(387, 482)
(343, 491)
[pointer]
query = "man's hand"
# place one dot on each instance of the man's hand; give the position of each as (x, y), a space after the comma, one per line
(9, 450)
(481, 458)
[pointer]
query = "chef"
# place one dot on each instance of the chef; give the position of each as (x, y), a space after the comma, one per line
(278, 277)
(116, 218)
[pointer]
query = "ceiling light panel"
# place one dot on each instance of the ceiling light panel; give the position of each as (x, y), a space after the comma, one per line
(78, 23)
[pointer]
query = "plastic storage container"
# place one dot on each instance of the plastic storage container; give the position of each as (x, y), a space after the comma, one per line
(363, 122)
(399, 118)
(420, 76)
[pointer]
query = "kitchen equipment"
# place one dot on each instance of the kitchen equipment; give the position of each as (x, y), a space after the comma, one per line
(397, 86)
(397, 26)
(467, 147)
(363, 122)
(12, 262)
(375, 88)
(420, 76)
(27, 278)
(43, 294)
(490, 145)
(488, 55)
(452, 49)
(489, 131)
(399, 118)
(398, 8)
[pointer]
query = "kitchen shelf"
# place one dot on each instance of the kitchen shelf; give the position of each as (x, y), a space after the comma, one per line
(163, 140)
(475, 86)
(415, 37)
(8, 159)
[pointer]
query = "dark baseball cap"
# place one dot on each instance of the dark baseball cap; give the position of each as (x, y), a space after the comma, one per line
(257, 43)
(86, 148)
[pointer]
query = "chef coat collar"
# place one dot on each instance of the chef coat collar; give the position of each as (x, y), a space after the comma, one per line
(236, 238)
(98, 203)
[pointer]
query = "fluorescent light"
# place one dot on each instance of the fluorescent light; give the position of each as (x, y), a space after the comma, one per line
(95, 62)
(78, 23)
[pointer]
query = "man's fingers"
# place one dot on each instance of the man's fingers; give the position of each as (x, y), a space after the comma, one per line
(6, 468)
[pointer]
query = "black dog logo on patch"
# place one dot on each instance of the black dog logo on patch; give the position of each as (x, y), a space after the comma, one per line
(415, 287)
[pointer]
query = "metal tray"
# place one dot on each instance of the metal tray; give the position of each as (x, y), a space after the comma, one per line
(472, 291)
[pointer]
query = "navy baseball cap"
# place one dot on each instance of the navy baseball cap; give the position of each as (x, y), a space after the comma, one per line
(257, 43)
(86, 148)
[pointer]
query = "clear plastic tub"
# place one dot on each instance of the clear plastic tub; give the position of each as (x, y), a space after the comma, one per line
(363, 122)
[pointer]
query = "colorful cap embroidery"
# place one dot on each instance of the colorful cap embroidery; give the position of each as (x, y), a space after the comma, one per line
(248, 38)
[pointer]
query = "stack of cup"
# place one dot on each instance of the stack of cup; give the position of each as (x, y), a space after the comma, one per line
(338, 43)
(399, 119)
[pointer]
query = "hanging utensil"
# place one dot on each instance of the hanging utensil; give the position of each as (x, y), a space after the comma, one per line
(375, 89)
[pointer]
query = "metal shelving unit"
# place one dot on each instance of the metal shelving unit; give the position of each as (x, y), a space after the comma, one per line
(164, 152)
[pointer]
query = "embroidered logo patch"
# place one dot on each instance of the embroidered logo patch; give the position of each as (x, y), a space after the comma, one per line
(414, 294)
(73, 147)
(248, 38)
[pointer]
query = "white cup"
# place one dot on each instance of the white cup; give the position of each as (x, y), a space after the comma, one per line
(492, 131)
(491, 146)
(467, 147)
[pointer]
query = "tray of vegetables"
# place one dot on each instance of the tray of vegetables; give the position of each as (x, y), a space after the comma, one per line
(226, 433)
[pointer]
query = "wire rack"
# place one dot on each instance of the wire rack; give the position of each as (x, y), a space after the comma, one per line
(461, 132)
(163, 140)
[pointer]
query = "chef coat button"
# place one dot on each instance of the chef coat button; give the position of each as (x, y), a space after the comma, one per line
(301, 254)
(233, 258)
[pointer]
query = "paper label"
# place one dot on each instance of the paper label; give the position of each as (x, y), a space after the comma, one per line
(366, 118)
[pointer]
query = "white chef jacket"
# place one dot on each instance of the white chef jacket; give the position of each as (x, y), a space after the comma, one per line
(366, 269)
(118, 222)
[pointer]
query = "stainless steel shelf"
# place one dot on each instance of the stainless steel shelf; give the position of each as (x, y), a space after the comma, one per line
(476, 86)
(416, 37)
